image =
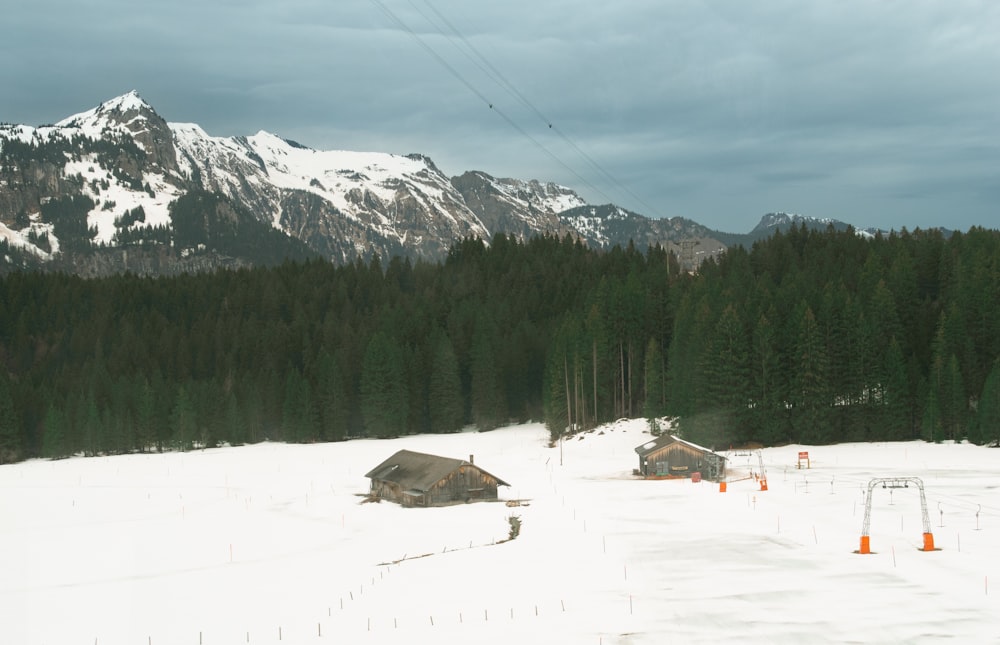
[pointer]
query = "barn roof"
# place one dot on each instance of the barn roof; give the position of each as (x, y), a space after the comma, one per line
(667, 439)
(419, 471)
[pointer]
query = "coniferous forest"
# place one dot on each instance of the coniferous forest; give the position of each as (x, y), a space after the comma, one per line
(809, 337)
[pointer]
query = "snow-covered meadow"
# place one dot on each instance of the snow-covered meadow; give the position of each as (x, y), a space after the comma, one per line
(271, 543)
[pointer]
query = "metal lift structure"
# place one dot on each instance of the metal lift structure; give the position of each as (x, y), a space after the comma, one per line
(896, 482)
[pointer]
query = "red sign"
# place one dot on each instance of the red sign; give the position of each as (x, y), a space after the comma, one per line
(803, 455)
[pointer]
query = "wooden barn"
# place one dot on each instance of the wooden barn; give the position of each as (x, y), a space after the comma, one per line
(418, 479)
(670, 456)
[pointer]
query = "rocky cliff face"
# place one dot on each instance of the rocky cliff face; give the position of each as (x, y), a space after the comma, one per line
(515, 207)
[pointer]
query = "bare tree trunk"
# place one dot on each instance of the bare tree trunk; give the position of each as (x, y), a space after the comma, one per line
(581, 408)
(594, 352)
(621, 370)
(629, 363)
(569, 401)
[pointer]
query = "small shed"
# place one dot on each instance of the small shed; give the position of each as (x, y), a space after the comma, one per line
(671, 456)
(418, 479)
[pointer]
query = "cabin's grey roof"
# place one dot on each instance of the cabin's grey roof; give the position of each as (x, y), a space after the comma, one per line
(419, 471)
(665, 440)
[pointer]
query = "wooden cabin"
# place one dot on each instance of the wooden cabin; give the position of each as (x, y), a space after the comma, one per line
(671, 456)
(418, 479)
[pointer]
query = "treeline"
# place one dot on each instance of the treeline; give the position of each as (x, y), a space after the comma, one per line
(304, 351)
(819, 337)
(809, 336)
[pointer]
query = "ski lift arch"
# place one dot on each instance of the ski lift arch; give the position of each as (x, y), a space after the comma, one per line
(896, 482)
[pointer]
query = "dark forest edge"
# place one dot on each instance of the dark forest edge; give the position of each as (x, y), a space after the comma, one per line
(807, 337)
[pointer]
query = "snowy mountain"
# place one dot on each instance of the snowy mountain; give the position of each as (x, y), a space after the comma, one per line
(772, 222)
(119, 188)
(521, 208)
(110, 181)
(608, 225)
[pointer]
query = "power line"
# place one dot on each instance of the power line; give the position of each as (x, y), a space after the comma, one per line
(485, 100)
(430, 50)
(501, 80)
(486, 66)
(494, 74)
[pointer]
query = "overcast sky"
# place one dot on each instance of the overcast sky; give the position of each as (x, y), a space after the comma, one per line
(873, 112)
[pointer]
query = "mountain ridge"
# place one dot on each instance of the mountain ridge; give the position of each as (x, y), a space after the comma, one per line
(107, 183)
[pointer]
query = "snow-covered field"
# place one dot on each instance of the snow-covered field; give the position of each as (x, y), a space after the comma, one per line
(270, 543)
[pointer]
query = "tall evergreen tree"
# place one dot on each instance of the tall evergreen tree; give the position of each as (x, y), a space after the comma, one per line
(556, 401)
(810, 391)
(384, 398)
(768, 409)
(931, 425)
(88, 421)
(332, 398)
(954, 404)
(145, 419)
(183, 419)
(11, 439)
(298, 418)
(489, 409)
(728, 372)
(54, 433)
(988, 413)
(445, 388)
(895, 406)
(654, 405)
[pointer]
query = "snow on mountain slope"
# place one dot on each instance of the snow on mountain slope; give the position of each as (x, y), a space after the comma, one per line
(517, 207)
(339, 176)
(772, 221)
(124, 113)
(23, 239)
(132, 165)
(401, 200)
(113, 202)
(546, 197)
(592, 222)
(142, 176)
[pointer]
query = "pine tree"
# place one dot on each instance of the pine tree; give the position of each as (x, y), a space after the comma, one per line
(298, 417)
(331, 398)
(11, 441)
(728, 371)
(89, 419)
(895, 417)
(809, 383)
(54, 433)
(233, 428)
(684, 362)
(384, 398)
(145, 426)
(489, 409)
(946, 379)
(768, 404)
(445, 388)
(655, 396)
(183, 421)
(988, 413)
(555, 402)
(954, 409)
(931, 425)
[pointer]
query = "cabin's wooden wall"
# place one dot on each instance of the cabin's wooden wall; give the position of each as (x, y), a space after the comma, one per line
(674, 459)
(466, 483)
